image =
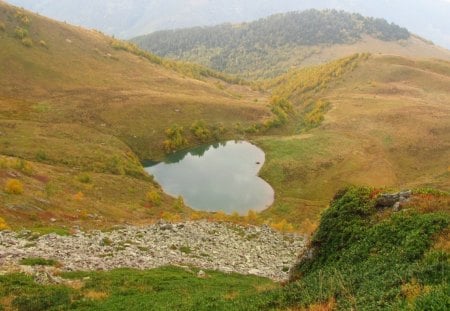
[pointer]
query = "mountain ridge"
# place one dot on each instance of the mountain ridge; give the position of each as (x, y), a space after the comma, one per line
(269, 46)
(131, 18)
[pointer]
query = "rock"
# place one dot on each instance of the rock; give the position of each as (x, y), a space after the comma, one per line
(209, 246)
(390, 200)
(254, 272)
(396, 207)
(201, 274)
(387, 200)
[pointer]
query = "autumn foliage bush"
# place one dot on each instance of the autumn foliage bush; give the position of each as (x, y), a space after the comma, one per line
(14, 186)
(154, 197)
(3, 224)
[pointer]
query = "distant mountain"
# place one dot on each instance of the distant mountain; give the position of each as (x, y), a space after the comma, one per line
(129, 18)
(270, 46)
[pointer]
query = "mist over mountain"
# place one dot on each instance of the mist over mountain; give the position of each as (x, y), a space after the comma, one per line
(129, 18)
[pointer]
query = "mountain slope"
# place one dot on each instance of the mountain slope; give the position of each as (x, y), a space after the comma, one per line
(78, 112)
(381, 121)
(270, 46)
(131, 18)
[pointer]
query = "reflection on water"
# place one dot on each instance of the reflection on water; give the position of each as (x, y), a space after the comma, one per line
(221, 176)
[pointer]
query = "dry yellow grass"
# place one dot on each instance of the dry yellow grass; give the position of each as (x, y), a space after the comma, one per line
(388, 127)
(77, 105)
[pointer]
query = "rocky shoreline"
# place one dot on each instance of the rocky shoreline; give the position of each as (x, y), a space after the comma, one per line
(206, 245)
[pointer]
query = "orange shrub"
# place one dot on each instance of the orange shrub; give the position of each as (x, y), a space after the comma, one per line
(3, 224)
(78, 196)
(252, 217)
(14, 186)
(171, 217)
(220, 216)
(283, 226)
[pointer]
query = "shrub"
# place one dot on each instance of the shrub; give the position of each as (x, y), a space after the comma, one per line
(23, 166)
(22, 18)
(252, 217)
(283, 226)
(185, 249)
(154, 197)
(218, 130)
(281, 108)
(3, 224)
(235, 217)
(115, 166)
(21, 33)
(171, 217)
(53, 298)
(220, 216)
(179, 203)
(175, 138)
(201, 131)
(41, 156)
(38, 262)
(78, 196)
(27, 42)
(14, 186)
(84, 178)
(314, 114)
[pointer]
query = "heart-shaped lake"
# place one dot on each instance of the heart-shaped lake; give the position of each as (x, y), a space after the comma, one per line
(217, 177)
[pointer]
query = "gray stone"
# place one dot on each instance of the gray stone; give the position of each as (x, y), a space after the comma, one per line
(214, 246)
(201, 274)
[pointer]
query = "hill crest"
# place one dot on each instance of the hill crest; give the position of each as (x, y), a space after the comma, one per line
(269, 46)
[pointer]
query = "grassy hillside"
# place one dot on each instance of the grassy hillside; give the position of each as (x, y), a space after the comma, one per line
(80, 110)
(385, 124)
(270, 46)
(360, 258)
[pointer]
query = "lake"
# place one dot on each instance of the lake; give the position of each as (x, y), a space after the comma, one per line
(216, 177)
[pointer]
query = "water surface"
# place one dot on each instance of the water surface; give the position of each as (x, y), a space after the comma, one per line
(217, 177)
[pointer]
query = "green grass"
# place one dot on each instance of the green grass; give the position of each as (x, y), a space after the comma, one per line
(364, 259)
(159, 289)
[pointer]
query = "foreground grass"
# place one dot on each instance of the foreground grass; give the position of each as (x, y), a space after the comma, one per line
(360, 258)
(166, 288)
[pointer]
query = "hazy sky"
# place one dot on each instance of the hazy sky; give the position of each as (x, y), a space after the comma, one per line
(128, 18)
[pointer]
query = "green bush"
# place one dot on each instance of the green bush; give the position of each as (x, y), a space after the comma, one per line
(363, 261)
(57, 298)
(84, 178)
(175, 138)
(201, 131)
(154, 197)
(21, 33)
(41, 156)
(38, 262)
(281, 109)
